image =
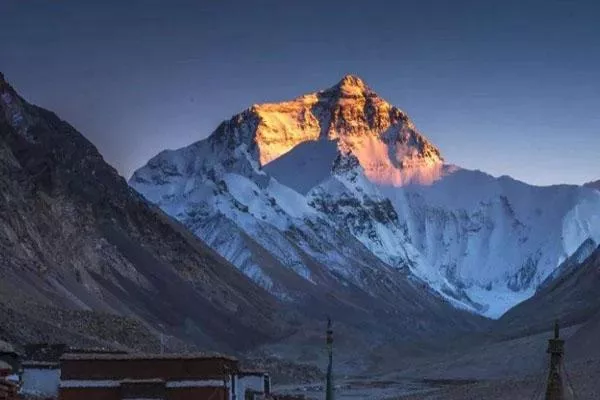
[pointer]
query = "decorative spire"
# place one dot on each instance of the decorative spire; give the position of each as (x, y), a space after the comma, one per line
(329, 388)
(555, 388)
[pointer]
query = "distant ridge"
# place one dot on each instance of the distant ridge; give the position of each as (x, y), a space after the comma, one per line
(593, 185)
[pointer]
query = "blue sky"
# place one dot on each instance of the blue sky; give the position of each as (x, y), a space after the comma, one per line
(507, 87)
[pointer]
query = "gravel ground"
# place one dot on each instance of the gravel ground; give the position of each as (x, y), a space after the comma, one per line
(363, 388)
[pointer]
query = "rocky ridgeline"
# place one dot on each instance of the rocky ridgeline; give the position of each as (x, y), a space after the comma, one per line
(86, 258)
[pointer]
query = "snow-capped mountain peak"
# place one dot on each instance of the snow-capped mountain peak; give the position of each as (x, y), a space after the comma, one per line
(382, 137)
(351, 85)
(339, 184)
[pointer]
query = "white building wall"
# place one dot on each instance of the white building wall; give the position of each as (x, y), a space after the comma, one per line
(234, 383)
(249, 382)
(41, 382)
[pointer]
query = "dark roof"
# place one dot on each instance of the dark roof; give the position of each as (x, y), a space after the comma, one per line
(249, 371)
(40, 364)
(44, 351)
(95, 350)
(171, 356)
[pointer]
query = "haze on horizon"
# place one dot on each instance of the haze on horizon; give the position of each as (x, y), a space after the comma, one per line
(504, 87)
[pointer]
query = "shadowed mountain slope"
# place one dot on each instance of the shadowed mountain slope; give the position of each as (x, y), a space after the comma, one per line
(77, 244)
(571, 297)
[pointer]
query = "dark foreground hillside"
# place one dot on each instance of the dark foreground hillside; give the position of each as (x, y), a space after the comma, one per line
(84, 259)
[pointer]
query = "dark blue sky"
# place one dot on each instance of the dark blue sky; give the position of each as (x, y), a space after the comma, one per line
(508, 87)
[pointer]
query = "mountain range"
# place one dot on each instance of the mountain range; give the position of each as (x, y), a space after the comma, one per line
(331, 204)
(85, 259)
(338, 187)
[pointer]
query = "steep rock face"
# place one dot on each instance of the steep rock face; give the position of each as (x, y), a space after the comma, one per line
(341, 178)
(85, 259)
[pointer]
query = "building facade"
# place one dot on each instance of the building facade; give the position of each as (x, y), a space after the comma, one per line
(40, 378)
(252, 385)
(167, 377)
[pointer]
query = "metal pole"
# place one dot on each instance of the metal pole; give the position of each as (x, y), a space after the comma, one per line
(329, 388)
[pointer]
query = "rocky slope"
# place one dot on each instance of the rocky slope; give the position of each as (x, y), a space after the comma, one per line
(570, 297)
(84, 259)
(338, 187)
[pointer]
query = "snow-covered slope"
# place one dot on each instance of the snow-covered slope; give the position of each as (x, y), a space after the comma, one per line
(339, 185)
(496, 240)
(593, 185)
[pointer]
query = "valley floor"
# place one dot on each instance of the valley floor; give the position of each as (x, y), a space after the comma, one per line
(362, 388)
(584, 386)
(509, 369)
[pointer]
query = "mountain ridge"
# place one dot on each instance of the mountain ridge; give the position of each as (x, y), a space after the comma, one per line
(593, 185)
(78, 244)
(85, 259)
(346, 166)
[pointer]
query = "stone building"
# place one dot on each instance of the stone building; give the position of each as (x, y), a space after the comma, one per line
(40, 373)
(158, 376)
(252, 384)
